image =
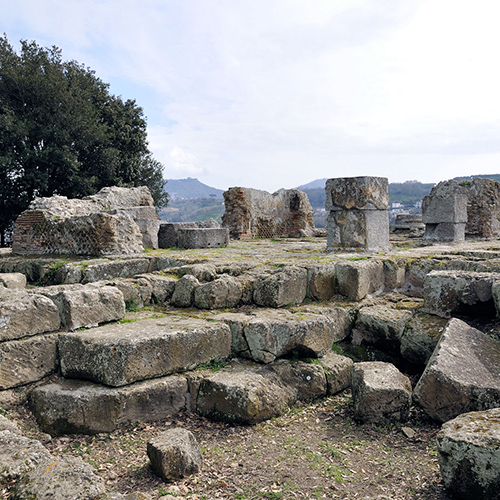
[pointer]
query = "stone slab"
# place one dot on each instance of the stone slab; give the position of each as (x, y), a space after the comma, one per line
(283, 287)
(451, 208)
(358, 278)
(168, 233)
(461, 375)
(74, 406)
(118, 355)
(444, 232)
(203, 237)
(108, 270)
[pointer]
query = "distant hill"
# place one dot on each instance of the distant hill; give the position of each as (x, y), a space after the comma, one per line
(495, 177)
(191, 188)
(318, 183)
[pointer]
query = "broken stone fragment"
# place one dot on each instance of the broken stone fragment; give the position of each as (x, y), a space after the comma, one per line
(174, 454)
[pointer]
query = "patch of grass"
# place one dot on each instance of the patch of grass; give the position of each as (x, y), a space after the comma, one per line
(131, 305)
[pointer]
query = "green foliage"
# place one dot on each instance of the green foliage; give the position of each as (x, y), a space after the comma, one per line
(62, 132)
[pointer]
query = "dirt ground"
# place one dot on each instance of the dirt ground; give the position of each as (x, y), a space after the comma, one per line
(316, 450)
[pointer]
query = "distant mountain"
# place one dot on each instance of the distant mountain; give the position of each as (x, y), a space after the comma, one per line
(191, 188)
(318, 183)
(495, 177)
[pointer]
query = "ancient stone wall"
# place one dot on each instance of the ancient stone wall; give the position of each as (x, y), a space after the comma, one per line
(483, 205)
(114, 221)
(251, 213)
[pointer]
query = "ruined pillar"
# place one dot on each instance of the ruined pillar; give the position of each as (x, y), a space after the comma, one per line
(445, 218)
(358, 218)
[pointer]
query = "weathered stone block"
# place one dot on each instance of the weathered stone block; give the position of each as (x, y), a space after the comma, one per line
(203, 237)
(218, 294)
(126, 268)
(73, 406)
(357, 279)
(380, 392)
(9, 425)
(14, 281)
(18, 455)
(162, 287)
(469, 455)
(358, 193)
(421, 336)
(447, 292)
(174, 454)
(242, 396)
(28, 360)
(60, 478)
(337, 370)
(405, 222)
(183, 295)
(136, 292)
(451, 208)
(444, 232)
(462, 373)
(380, 326)
(366, 230)
(321, 282)
(120, 354)
(286, 286)
(168, 233)
(23, 314)
(394, 274)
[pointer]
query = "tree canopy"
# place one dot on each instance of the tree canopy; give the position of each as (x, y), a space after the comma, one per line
(62, 132)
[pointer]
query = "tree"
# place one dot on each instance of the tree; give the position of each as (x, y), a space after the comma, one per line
(62, 132)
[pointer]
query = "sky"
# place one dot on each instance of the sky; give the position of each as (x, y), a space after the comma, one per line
(274, 94)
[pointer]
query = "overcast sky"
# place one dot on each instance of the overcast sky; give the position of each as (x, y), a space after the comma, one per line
(277, 93)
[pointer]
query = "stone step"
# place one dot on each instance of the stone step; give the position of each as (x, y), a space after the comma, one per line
(123, 353)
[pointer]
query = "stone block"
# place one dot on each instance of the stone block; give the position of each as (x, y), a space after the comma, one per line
(451, 209)
(469, 455)
(73, 406)
(23, 314)
(461, 375)
(168, 233)
(224, 292)
(242, 396)
(203, 237)
(13, 281)
(85, 306)
(60, 478)
(359, 278)
(174, 454)
(137, 292)
(394, 274)
(147, 220)
(380, 392)
(444, 232)
(357, 193)
(162, 287)
(338, 372)
(18, 455)
(365, 230)
(380, 326)
(406, 222)
(9, 425)
(126, 268)
(119, 354)
(28, 360)
(285, 286)
(184, 291)
(321, 282)
(447, 292)
(421, 336)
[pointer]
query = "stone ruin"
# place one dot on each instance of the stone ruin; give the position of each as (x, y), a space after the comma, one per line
(113, 221)
(205, 234)
(358, 218)
(455, 210)
(251, 213)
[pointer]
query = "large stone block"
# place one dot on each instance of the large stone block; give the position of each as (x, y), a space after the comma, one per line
(28, 360)
(356, 279)
(60, 478)
(242, 396)
(184, 291)
(174, 454)
(286, 286)
(462, 374)
(162, 287)
(380, 326)
(203, 237)
(73, 406)
(451, 208)
(444, 232)
(366, 230)
(380, 392)
(358, 193)
(447, 292)
(108, 270)
(18, 455)
(221, 293)
(321, 282)
(13, 281)
(85, 306)
(337, 370)
(168, 236)
(23, 314)
(120, 354)
(469, 455)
